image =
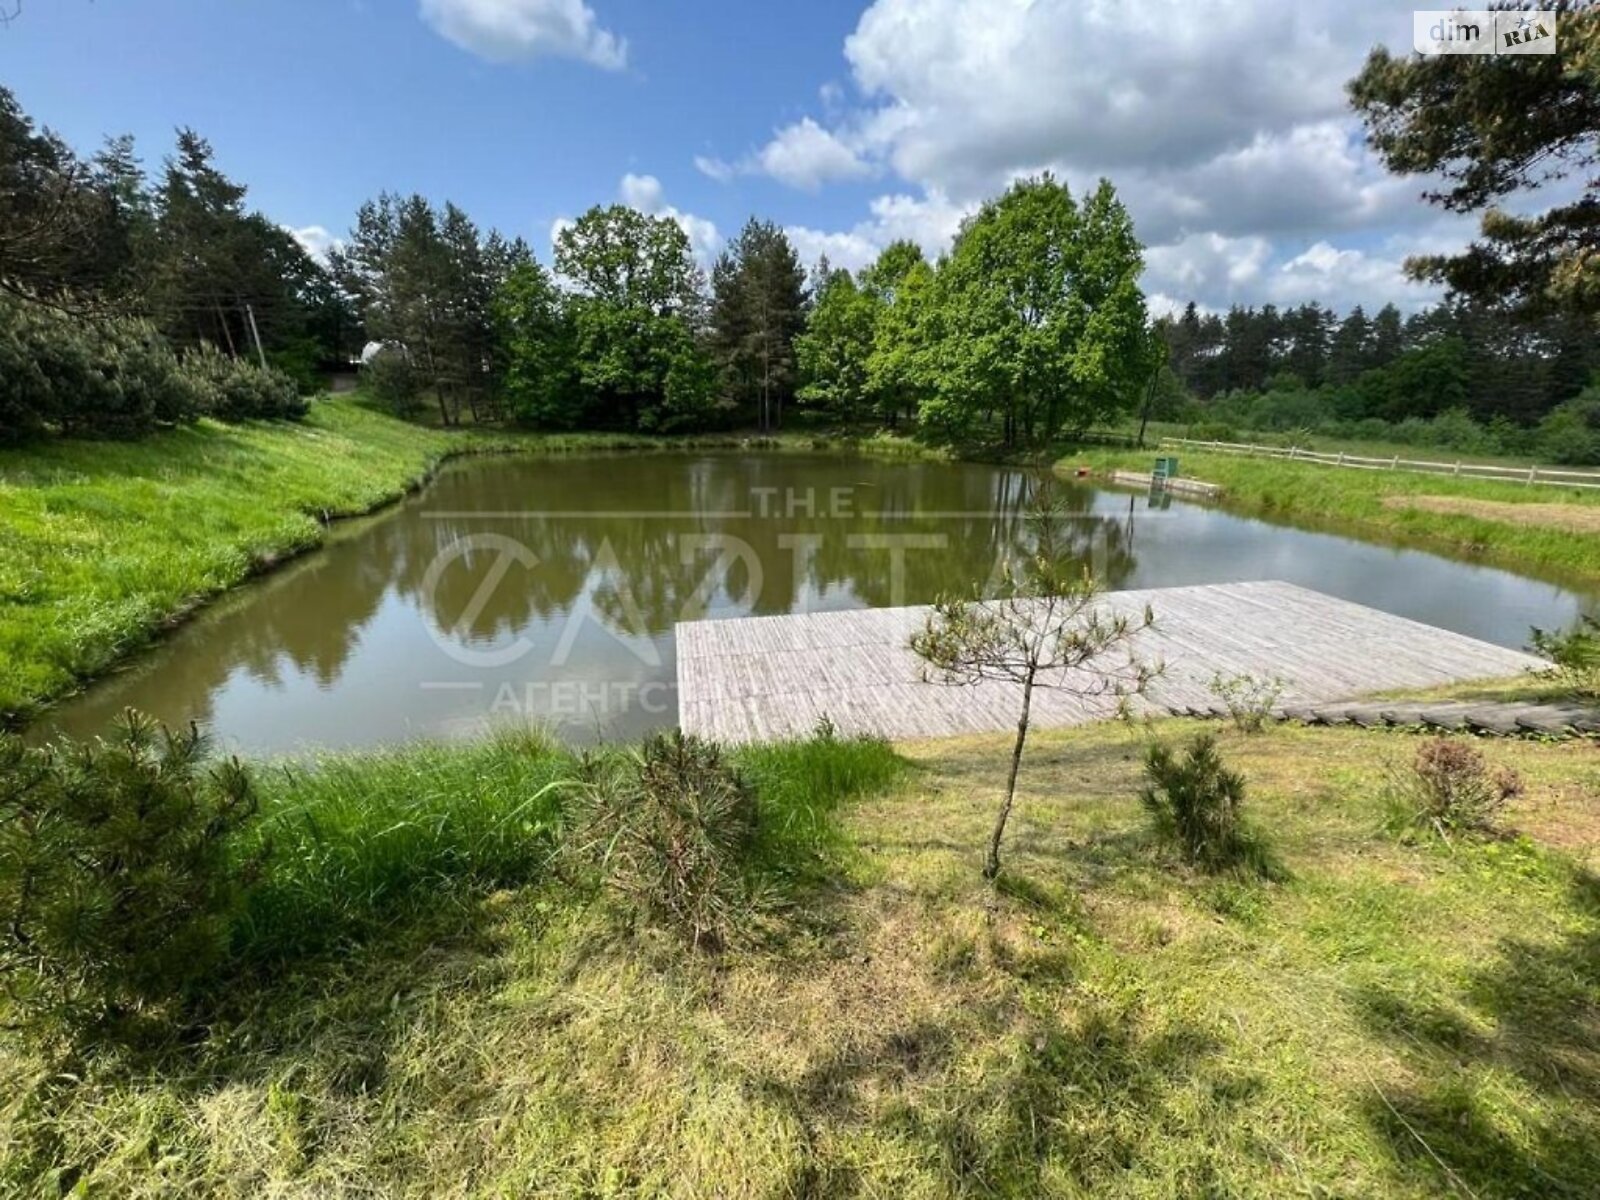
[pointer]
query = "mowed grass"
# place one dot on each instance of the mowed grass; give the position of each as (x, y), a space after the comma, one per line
(1375, 504)
(1392, 1017)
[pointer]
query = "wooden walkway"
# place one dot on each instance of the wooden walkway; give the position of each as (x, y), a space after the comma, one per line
(764, 678)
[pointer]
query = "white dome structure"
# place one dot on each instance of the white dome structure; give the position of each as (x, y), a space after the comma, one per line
(372, 350)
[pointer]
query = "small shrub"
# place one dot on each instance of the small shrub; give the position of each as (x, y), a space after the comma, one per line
(394, 382)
(116, 877)
(1195, 804)
(1574, 657)
(233, 389)
(670, 829)
(1569, 435)
(1451, 789)
(1249, 700)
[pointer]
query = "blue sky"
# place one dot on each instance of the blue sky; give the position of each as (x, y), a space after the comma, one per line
(848, 123)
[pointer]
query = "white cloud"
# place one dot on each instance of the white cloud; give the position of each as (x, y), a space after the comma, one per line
(849, 250)
(715, 168)
(645, 193)
(507, 30)
(1223, 123)
(1251, 270)
(805, 155)
(931, 222)
(316, 240)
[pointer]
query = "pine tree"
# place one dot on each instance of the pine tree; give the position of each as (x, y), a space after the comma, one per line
(758, 308)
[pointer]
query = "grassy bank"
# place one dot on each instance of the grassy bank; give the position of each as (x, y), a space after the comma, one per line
(104, 544)
(1509, 524)
(1392, 1018)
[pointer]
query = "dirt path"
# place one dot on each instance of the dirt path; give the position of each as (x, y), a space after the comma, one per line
(1576, 518)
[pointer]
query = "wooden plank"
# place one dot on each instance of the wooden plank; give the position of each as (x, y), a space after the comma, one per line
(775, 677)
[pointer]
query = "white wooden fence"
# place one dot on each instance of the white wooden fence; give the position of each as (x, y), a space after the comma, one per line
(1549, 476)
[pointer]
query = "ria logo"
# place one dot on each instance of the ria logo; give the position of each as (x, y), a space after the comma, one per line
(1525, 30)
(1483, 31)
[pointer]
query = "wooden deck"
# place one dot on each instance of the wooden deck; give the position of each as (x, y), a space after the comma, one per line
(763, 678)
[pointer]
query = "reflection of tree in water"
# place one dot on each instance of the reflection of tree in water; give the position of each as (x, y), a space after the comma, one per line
(582, 520)
(312, 614)
(666, 537)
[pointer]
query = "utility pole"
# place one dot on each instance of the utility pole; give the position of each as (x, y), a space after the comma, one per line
(255, 335)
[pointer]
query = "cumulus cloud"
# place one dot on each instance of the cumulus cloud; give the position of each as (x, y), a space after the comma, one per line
(316, 240)
(1219, 271)
(803, 155)
(645, 193)
(931, 221)
(1223, 123)
(507, 30)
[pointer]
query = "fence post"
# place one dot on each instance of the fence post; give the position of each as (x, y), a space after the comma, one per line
(1294, 452)
(1341, 458)
(1533, 474)
(1395, 465)
(1457, 471)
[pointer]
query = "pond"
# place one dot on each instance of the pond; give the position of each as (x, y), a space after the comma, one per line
(546, 589)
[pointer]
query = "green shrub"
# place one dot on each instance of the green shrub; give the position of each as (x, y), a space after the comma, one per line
(1194, 803)
(235, 389)
(1570, 434)
(393, 381)
(1249, 700)
(95, 377)
(117, 881)
(670, 829)
(1574, 656)
(1451, 789)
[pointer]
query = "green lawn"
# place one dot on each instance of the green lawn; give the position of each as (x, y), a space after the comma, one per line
(102, 543)
(1391, 1018)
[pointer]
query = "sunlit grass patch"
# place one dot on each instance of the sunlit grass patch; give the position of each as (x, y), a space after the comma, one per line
(1391, 1017)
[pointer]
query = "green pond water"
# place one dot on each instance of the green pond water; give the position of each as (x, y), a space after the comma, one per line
(546, 589)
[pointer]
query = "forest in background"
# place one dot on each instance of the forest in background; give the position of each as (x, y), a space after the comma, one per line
(1458, 376)
(130, 301)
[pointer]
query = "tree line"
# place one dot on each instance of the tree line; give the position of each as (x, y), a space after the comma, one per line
(128, 302)
(135, 301)
(1032, 325)
(1459, 375)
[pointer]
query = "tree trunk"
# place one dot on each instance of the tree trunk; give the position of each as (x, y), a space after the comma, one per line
(227, 334)
(991, 864)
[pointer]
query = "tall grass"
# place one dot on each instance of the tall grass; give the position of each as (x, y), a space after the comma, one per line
(799, 786)
(354, 843)
(357, 841)
(101, 543)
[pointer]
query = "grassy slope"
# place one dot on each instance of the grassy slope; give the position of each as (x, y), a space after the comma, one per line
(1394, 1019)
(103, 542)
(1354, 501)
